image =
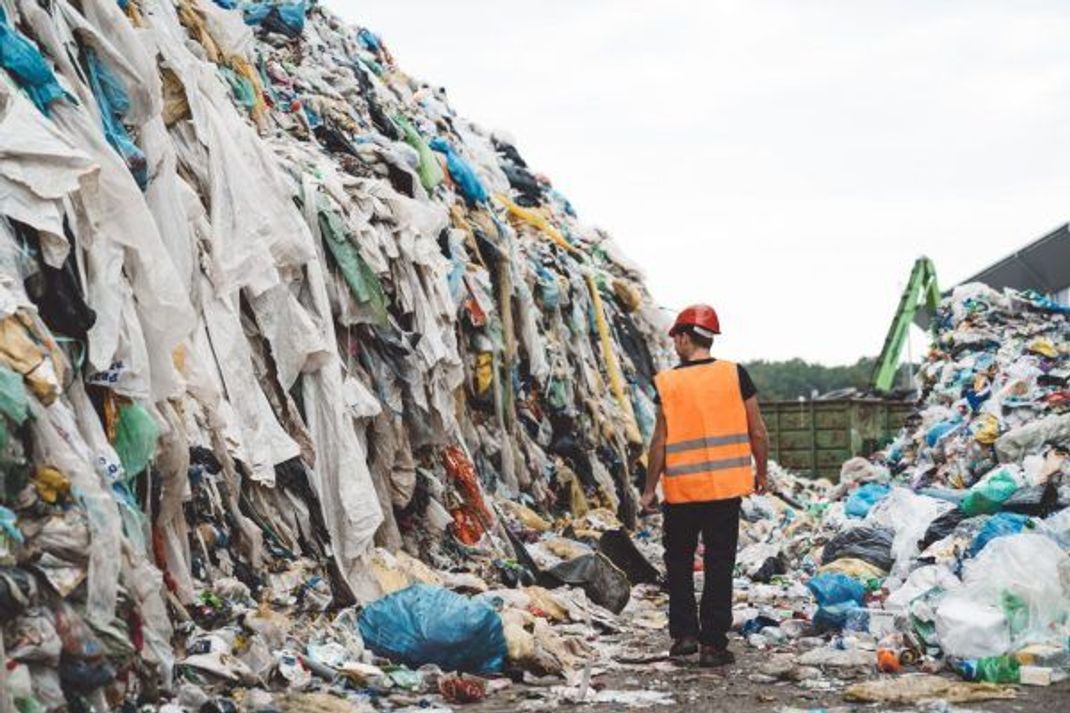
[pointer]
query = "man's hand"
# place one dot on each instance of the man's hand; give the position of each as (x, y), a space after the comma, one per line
(760, 483)
(648, 503)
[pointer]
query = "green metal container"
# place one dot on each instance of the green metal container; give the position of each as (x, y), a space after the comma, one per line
(815, 437)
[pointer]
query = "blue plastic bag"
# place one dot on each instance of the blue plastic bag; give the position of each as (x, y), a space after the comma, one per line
(425, 624)
(369, 40)
(863, 499)
(836, 588)
(21, 58)
(461, 173)
(999, 525)
(941, 430)
(836, 617)
(837, 597)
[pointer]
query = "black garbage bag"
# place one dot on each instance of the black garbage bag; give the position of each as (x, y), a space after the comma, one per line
(57, 292)
(941, 527)
(18, 590)
(622, 552)
(769, 569)
(606, 585)
(1038, 500)
(870, 544)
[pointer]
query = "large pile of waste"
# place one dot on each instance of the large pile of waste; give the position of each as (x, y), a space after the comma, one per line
(283, 334)
(948, 551)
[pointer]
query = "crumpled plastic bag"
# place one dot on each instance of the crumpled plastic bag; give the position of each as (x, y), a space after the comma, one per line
(990, 492)
(863, 499)
(872, 544)
(13, 402)
(836, 595)
(423, 624)
(136, 433)
(1014, 592)
(999, 525)
(606, 585)
(1020, 442)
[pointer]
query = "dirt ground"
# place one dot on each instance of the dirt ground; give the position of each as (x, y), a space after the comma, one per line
(697, 689)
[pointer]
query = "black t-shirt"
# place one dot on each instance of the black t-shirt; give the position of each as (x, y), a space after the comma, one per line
(746, 386)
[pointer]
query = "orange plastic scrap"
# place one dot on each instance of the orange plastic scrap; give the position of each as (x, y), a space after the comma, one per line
(466, 527)
(461, 470)
(536, 219)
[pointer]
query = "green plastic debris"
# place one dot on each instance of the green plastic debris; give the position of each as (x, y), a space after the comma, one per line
(1016, 612)
(998, 669)
(986, 497)
(135, 438)
(241, 87)
(13, 403)
(362, 281)
(430, 171)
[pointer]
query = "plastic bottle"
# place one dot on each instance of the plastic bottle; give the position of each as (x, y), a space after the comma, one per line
(993, 669)
(887, 661)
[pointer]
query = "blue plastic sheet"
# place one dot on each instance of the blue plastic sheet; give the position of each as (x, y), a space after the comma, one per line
(287, 18)
(863, 499)
(461, 173)
(424, 624)
(114, 103)
(999, 525)
(25, 63)
(941, 430)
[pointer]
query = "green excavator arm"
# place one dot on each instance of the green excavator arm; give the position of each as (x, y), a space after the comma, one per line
(921, 290)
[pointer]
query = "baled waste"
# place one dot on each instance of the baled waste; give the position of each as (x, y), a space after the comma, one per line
(282, 334)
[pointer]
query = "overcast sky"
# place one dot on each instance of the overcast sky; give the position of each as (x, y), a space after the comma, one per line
(785, 161)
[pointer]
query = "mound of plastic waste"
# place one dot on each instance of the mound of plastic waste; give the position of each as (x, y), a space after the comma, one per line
(282, 333)
(949, 550)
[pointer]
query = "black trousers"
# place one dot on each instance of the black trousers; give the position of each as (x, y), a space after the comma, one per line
(718, 522)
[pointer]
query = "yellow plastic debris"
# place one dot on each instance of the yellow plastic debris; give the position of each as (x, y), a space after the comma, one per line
(1043, 347)
(859, 569)
(537, 220)
(50, 484)
(987, 430)
(484, 372)
(527, 517)
(616, 381)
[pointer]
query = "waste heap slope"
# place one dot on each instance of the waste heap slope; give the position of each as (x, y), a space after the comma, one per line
(947, 551)
(268, 304)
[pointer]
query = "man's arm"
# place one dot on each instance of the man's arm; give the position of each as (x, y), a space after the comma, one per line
(655, 462)
(759, 442)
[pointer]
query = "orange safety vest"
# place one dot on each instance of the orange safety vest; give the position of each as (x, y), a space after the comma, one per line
(707, 447)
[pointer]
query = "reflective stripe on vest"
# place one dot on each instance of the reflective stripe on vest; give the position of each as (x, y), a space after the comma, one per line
(707, 450)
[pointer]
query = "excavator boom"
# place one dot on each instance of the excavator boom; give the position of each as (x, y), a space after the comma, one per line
(921, 289)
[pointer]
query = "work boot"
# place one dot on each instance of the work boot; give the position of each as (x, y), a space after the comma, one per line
(686, 646)
(712, 656)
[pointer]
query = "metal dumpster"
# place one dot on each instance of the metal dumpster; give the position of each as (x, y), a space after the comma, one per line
(815, 437)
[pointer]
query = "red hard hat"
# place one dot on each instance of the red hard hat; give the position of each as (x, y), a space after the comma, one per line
(701, 317)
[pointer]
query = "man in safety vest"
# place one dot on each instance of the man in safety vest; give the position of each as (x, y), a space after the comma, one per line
(708, 428)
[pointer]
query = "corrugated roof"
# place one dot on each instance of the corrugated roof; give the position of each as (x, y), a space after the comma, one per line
(1043, 265)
